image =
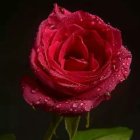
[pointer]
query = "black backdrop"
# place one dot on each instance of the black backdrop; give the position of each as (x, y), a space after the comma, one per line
(19, 21)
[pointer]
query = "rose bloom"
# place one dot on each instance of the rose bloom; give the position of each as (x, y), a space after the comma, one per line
(77, 60)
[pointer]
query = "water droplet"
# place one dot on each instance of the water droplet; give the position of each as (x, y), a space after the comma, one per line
(74, 105)
(121, 79)
(98, 89)
(127, 64)
(87, 109)
(81, 104)
(37, 102)
(125, 72)
(113, 80)
(61, 10)
(38, 50)
(92, 22)
(58, 106)
(124, 63)
(118, 53)
(110, 85)
(119, 75)
(99, 22)
(81, 19)
(120, 58)
(52, 26)
(108, 94)
(33, 90)
(115, 68)
(102, 77)
(33, 107)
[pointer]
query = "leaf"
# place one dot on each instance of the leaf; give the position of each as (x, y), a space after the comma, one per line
(71, 125)
(7, 137)
(118, 133)
(53, 126)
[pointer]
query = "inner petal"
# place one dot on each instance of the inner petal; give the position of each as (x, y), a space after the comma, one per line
(73, 47)
(95, 45)
(75, 64)
(93, 63)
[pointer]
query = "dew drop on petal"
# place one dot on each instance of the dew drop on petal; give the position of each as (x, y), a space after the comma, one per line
(123, 63)
(98, 89)
(120, 58)
(113, 80)
(52, 26)
(87, 109)
(92, 22)
(115, 68)
(46, 100)
(102, 77)
(74, 105)
(37, 102)
(33, 107)
(118, 53)
(127, 64)
(81, 19)
(38, 50)
(57, 106)
(33, 91)
(99, 22)
(108, 94)
(110, 85)
(66, 102)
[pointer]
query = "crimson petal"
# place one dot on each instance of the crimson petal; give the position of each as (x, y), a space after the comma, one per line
(37, 97)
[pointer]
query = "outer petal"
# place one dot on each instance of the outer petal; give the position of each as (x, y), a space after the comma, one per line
(120, 70)
(37, 97)
(57, 15)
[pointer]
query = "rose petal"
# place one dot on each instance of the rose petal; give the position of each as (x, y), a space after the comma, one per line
(73, 47)
(42, 75)
(117, 39)
(57, 15)
(93, 63)
(37, 97)
(73, 64)
(121, 69)
(53, 50)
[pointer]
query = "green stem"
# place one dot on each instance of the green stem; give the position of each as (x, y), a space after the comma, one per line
(88, 120)
(53, 126)
(71, 125)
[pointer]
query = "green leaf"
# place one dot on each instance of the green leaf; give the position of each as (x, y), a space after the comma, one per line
(71, 125)
(7, 137)
(53, 126)
(118, 133)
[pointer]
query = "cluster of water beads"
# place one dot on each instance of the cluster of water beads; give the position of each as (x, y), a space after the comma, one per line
(76, 107)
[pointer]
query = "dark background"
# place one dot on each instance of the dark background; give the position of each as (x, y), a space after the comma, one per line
(19, 21)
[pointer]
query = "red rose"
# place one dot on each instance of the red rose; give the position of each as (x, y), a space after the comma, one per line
(78, 60)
